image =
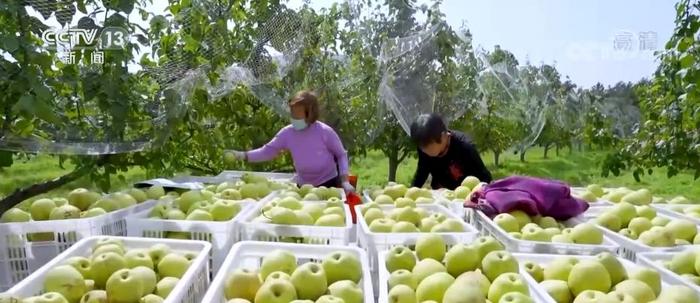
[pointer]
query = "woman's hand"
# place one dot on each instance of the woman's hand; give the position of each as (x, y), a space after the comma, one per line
(348, 187)
(234, 155)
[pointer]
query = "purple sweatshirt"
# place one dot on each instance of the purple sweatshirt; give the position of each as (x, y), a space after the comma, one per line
(314, 150)
(534, 196)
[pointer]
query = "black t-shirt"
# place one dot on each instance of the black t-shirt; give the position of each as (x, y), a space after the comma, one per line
(462, 160)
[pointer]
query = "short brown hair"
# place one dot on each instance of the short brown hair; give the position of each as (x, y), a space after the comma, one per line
(309, 101)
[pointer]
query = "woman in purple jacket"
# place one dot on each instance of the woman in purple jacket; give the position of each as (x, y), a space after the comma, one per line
(319, 157)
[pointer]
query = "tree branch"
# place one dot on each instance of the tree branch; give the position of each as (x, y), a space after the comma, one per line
(201, 169)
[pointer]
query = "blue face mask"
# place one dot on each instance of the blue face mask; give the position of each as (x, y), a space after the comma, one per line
(299, 124)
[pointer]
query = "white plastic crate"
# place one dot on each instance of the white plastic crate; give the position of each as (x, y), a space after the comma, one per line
(544, 259)
(310, 234)
(26, 246)
(652, 260)
(436, 194)
(456, 206)
(198, 179)
(190, 289)
(197, 182)
(237, 174)
(221, 234)
(487, 226)
(374, 242)
(628, 247)
(536, 293)
(666, 210)
(249, 254)
(166, 183)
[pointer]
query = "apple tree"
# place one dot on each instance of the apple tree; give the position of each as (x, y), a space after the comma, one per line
(669, 133)
(48, 99)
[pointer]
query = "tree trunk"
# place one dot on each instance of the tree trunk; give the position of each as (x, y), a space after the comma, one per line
(546, 149)
(393, 164)
(558, 148)
(522, 155)
(571, 148)
(495, 158)
(40, 188)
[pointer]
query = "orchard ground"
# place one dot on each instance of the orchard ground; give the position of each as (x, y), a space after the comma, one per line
(577, 168)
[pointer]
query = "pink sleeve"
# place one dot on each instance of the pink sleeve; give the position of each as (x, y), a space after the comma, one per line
(270, 150)
(336, 147)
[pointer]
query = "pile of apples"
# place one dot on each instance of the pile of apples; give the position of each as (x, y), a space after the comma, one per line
(309, 193)
(250, 186)
(200, 205)
(674, 200)
(686, 264)
(398, 194)
(80, 203)
(469, 185)
(594, 193)
(641, 223)
(280, 278)
(520, 225)
(690, 211)
(290, 211)
(114, 273)
(408, 219)
(604, 279)
(463, 273)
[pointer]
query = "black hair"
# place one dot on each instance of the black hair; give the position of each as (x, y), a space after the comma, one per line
(427, 129)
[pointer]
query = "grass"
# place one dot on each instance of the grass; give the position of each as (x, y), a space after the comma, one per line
(577, 169)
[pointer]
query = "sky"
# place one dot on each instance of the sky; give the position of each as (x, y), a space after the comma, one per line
(578, 36)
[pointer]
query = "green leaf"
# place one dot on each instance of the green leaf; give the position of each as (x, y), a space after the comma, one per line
(10, 43)
(191, 45)
(45, 7)
(29, 105)
(126, 6)
(116, 20)
(81, 6)
(65, 15)
(43, 92)
(685, 43)
(687, 60)
(5, 158)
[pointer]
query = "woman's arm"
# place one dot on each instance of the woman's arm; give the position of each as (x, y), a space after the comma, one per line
(335, 146)
(270, 150)
(422, 171)
(473, 158)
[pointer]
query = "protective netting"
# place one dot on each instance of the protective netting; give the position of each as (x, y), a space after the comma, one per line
(423, 66)
(414, 69)
(518, 96)
(277, 46)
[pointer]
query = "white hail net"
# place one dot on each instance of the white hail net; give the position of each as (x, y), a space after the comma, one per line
(430, 68)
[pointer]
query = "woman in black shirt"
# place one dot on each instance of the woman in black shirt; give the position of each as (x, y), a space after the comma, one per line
(447, 155)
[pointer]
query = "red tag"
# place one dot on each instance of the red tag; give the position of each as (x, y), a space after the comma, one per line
(352, 200)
